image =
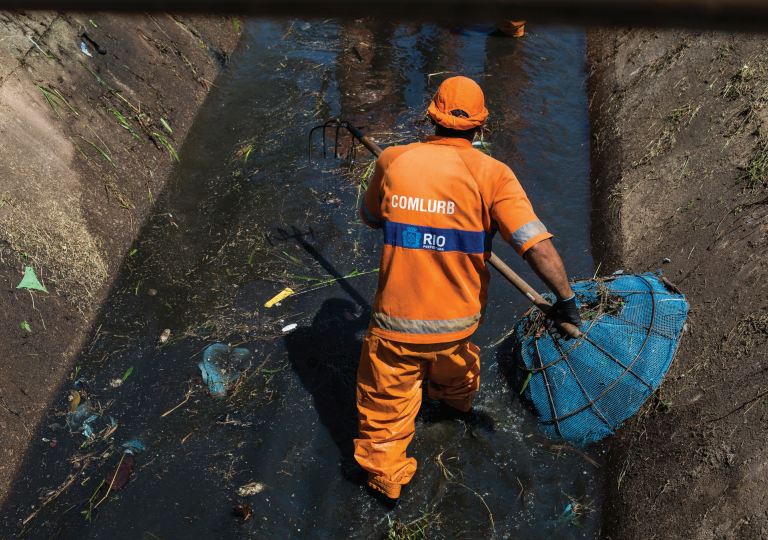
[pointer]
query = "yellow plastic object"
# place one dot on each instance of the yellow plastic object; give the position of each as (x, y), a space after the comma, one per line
(285, 293)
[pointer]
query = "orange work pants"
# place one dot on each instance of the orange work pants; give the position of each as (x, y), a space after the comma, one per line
(389, 381)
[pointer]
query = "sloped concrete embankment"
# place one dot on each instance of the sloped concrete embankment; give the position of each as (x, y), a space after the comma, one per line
(680, 182)
(87, 142)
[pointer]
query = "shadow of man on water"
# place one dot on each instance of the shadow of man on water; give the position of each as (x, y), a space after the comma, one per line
(325, 358)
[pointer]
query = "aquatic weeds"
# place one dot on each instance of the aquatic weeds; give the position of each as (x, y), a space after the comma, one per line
(413, 530)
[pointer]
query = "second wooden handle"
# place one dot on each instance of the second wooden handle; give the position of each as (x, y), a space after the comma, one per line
(535, 298)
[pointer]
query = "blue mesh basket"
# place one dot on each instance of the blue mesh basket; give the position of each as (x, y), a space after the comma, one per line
(584, 389)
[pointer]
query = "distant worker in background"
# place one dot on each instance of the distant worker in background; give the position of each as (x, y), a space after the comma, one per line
(439, 204)
(511, 28)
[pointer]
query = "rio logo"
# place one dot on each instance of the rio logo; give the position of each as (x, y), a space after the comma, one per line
(412, 239)
(433, 241)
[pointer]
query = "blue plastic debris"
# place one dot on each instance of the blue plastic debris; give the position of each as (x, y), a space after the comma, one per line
(134, 445)
(583, 390)
(219, 367)
(81, 418)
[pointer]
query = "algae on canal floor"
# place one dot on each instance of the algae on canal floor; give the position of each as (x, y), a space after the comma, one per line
(246, 216)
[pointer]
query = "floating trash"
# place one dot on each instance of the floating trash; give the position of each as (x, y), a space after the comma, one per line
(120, 476)
(165, 335)
(81, 418)
(244, 511)
(134, 445)
(251, 489)
(285, 293)
(219, 367)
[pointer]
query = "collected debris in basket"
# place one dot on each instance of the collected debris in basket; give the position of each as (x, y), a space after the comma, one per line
(584, 389)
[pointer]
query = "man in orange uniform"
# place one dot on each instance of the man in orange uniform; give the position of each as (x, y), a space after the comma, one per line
(438, 203)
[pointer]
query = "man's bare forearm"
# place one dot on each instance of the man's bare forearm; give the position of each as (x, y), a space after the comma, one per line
(546, 263)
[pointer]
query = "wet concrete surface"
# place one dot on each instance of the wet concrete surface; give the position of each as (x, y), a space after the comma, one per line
(247, 215)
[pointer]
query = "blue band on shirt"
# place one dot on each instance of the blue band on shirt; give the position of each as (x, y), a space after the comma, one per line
(433, 238)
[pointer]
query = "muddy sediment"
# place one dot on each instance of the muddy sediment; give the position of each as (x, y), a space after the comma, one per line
(88, 141)
(679, 125)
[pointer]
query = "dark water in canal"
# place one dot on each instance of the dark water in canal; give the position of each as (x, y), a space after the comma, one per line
(236, 227)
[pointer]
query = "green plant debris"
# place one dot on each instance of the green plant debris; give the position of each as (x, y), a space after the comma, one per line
(413, 530)
(49, 97)
(623, 472)
(678, 114)
(236, 25)
(250, 259)
(25, 326)
(101, 82)
(245, 160)
(525, 384)
(743, 82)
(93, 23)
(100, 151)
(136, 292)
(354, 273)
(168, 146)
(132, 253)
(78, 147)
(756, 172)
(30, 281)
(294, 259)
(167, 305)
(166, 126)
(124, 121)
(128, 373)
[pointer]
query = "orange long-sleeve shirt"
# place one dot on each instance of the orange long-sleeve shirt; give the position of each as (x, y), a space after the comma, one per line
(439, 203)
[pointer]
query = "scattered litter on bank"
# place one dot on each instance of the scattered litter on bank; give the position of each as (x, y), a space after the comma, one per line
(165, 335)
(219, 367)
(84, 48)
(30, 281)
(290, 327)
(251, 489)
(38, 47)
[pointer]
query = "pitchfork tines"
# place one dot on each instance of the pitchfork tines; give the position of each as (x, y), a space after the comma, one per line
(337, 125)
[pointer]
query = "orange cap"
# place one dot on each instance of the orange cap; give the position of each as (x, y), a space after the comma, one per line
(459, 94)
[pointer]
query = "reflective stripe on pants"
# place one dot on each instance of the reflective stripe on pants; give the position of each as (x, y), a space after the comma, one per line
(389, 381)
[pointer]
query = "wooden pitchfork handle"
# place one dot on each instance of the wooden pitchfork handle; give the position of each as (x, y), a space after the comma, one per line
(535, 298)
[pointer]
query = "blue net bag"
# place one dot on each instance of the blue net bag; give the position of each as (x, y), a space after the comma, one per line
(584, 389)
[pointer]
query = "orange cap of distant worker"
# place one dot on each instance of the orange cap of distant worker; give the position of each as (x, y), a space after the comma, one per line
(459, 104)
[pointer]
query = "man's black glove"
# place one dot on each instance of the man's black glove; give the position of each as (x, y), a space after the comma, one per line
(565, 311)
